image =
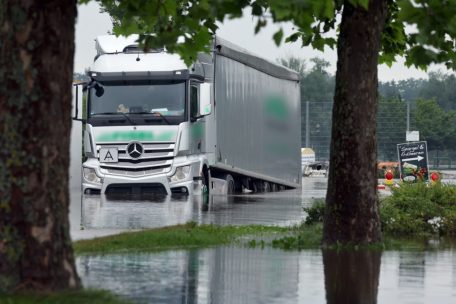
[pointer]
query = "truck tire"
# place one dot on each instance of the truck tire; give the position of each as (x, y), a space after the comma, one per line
(254, 186)
(230, 185)
(205, 182)
(258, 186)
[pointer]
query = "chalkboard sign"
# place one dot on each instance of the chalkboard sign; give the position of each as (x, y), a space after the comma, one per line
(413, 161)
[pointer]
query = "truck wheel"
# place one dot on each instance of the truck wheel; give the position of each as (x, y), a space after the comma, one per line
(230, 186)
(205, 182)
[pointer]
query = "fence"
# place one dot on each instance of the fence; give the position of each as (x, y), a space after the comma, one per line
(393, 119)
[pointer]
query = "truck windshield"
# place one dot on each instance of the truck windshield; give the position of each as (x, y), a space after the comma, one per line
(162, 100)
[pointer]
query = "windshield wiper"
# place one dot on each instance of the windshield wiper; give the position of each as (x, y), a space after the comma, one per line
(155, 114)
(116, 113)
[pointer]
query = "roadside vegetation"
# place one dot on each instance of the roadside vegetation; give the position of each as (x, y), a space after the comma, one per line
(412, 209)
(190, 235)
(419, 209)
(410, 217)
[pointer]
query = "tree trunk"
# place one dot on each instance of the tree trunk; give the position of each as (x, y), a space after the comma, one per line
(36, 67)
(352, 215)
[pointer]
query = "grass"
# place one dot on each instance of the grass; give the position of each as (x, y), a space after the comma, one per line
(73, 297)
(185, 236)
(301, 237)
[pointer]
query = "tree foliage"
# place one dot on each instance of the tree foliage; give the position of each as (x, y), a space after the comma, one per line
(436, 126)
(433, 41)
(439, 86)
(317, 84)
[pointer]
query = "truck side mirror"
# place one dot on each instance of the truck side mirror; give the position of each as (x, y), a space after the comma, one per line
(78, 101)
(205, 107)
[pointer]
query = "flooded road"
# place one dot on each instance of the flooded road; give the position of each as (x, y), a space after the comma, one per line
(99, 215)
(277, 208)
(96, 215)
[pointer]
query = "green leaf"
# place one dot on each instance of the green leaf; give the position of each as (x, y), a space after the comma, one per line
(260, 23)
(257, 10)
(293, 37)
(278, 37)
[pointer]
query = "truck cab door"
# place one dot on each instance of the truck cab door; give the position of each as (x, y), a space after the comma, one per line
(197, 122)
(79, 101)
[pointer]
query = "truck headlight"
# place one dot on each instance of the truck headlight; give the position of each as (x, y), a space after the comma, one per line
(182, 173)
(91, 176)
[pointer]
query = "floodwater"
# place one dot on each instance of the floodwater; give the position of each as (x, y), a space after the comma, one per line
(243, 275)
(97, 215)
(237, 274)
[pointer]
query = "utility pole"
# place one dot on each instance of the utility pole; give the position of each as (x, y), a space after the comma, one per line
(307, 126)
(408, 115)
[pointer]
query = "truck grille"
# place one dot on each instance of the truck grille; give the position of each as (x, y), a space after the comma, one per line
(140, 189)
(156, 158)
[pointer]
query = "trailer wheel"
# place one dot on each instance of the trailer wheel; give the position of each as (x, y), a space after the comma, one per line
(258, 186)
(267, 187)
(230, 186)
(254, 186)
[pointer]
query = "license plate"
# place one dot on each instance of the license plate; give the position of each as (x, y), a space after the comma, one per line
(109, 155)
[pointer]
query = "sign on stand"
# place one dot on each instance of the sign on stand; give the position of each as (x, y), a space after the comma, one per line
(412, 136)
(413, 161)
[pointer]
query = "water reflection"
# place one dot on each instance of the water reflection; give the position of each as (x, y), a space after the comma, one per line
(351, 276)
(412, 269)
(242, 275)
(279, 208)
(220, 275)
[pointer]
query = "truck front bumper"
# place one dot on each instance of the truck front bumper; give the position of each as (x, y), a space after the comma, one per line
(146, 184)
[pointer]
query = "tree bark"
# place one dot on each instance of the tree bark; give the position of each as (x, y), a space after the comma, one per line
(36, 67)
(352, 215)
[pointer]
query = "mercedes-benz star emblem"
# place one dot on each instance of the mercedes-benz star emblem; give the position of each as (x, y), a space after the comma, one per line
(135, 149)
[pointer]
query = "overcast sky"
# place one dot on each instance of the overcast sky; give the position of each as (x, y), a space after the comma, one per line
(91, 23)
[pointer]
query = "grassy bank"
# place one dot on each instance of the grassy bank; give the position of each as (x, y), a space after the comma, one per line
(185, 236)
(76, 297)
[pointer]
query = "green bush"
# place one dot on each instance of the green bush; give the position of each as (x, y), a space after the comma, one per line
(420, 208)
(417, 209)
(316, 212)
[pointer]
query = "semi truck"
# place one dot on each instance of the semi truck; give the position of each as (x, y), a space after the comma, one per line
(153, 125)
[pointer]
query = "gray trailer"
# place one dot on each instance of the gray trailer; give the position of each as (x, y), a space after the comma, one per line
(258, 118)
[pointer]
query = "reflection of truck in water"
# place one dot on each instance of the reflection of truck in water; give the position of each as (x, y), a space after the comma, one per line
(231, 121)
